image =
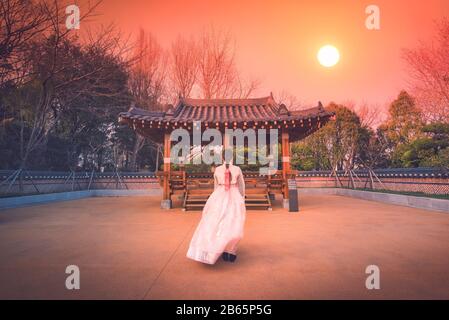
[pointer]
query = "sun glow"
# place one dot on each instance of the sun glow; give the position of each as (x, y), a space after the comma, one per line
(328, 56)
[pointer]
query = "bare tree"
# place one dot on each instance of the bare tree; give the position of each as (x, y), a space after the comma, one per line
(23, 22)
(55, 75)
(429, 68)
(289, 100)
(369, 115)
(205, 67)
(148, 74)
(218, 76)
(42, 62)
(20, 22)
(147, 80)
(184, 66)
(246, 87)
(217, 73)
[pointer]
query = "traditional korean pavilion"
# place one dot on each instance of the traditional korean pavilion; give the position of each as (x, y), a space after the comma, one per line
(256, 113)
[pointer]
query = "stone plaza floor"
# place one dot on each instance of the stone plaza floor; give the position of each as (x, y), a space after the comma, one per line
(128, 248)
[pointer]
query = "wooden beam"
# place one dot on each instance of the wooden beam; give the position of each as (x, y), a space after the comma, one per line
(226, 140)
(285, 145)
(166, 199)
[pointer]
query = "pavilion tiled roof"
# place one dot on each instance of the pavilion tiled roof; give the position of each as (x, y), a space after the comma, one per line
(256, 113)
(225, 110)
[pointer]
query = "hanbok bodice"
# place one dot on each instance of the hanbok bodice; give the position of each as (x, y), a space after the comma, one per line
(236, 177)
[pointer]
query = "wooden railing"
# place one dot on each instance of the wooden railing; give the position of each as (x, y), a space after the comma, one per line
(181, 181)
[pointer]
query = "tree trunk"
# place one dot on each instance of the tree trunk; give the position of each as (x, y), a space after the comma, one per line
(138, 145)
(158, 150)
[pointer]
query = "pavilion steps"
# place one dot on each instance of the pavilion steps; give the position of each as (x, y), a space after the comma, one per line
(256, 198)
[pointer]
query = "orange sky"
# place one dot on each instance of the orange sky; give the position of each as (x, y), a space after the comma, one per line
(277, 41)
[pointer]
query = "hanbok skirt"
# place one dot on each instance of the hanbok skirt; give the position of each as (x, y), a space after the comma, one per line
(221, 225)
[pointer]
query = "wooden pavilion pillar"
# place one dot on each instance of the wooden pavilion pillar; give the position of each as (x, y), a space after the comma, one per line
(166, 202)
(226, 141)
(285, 145)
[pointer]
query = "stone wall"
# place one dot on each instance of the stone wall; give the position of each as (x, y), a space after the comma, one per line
(434, 182)
(428, 181)
(38, 182)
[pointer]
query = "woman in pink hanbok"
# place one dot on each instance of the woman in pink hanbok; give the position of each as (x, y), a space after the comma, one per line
(223, 218)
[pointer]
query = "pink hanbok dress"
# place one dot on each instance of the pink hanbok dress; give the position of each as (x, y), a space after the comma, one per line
(223, 218)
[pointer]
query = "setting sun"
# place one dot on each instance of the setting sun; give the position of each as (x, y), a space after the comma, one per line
(328, 56)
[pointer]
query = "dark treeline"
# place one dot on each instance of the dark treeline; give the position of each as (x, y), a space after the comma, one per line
(60, 96)
(403, 140)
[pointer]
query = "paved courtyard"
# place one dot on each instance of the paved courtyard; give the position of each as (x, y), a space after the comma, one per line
(127, 248)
